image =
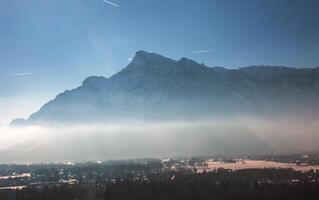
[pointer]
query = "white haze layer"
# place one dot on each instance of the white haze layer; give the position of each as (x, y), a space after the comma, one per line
(242, 135)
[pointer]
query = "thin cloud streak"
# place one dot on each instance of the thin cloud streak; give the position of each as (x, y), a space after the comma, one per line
(204, 51)
(22, 74)
(111, 3)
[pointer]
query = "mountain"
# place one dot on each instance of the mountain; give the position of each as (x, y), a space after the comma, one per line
(153, 87)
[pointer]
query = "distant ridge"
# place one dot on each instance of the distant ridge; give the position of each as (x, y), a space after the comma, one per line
(154, 87)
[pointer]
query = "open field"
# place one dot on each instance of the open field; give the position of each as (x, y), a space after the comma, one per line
(256, 164)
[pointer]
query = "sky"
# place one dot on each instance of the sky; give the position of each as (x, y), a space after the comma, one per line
(48, 46)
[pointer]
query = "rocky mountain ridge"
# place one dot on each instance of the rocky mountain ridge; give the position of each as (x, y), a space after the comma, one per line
(153, 87)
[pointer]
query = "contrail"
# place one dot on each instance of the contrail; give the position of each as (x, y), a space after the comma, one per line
(111, 3)
(22, 74)
(204, 51)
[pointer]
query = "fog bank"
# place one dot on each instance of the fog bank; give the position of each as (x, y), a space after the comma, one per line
(241, 135)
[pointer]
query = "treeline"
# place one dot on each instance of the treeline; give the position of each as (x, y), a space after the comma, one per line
(222, 184)
(261, 184)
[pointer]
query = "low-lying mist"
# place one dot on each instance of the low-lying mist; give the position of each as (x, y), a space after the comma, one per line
(241, 135)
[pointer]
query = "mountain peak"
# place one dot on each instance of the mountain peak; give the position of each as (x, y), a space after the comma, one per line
(187, 62)
(144, 61)
(144, 57)
(142, 53)
(155, 87)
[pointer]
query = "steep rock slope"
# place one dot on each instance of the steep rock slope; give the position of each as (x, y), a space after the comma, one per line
(154, 87)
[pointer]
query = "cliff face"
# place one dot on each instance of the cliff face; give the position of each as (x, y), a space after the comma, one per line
(156, 87)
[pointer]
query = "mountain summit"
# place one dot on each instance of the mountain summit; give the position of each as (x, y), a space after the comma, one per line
(153, 87)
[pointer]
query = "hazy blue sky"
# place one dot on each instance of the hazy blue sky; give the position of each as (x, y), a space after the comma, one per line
(47, 46)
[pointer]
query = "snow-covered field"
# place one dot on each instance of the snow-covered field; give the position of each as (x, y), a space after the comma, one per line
(257, 164)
